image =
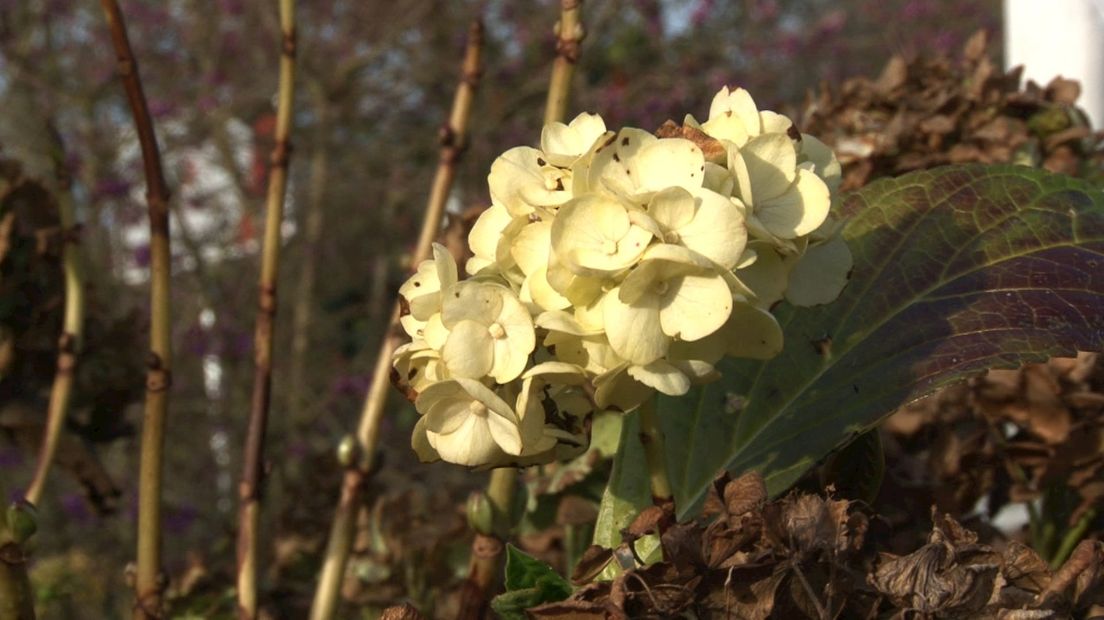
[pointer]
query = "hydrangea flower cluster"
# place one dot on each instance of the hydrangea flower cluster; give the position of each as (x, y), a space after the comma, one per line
(611, 266)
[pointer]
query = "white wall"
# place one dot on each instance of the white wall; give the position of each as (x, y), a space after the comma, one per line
(1059, 37)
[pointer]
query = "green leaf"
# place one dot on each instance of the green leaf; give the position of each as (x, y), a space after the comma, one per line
(857, 469)
(628, 490)
(525, 571)
(529, 582)
(957, 270)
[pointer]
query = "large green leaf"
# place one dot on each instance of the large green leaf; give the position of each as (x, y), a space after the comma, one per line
(957, 270)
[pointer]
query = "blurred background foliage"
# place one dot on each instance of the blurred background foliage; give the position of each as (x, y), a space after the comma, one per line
(375, 84)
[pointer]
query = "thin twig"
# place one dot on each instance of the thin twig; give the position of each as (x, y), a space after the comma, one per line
(484, 567)
(569, 34)
(72, 328)
(453, 139)
(254, 466)
(148, 579)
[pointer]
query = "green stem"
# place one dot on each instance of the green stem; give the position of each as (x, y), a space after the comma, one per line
(149, 582)
(252, 483)
(655, 455)
(72, 332)
(485, 565)
(569, 33)
(1072, 537)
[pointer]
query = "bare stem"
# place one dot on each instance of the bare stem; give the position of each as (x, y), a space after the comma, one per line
(654, 454)
(254, 466)
(453, 138)
(72, 331)
(16, 594)
(148, 578)
(569, 33)
(485, 564)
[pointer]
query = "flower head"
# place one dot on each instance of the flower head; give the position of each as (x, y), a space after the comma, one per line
(611, 266)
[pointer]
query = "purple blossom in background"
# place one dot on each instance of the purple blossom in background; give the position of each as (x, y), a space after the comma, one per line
(75, 507)
(915, 9)
(945, 42)
(111, 188)
(231, 7)
(161, 108)
(10, 457)
(350, 385)
(701, 13)
(142, 255)
(831, 23)
(197, 341)
(179, 519)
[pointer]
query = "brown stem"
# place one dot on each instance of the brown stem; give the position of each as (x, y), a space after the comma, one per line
(569, 34)
(254, 466)
(148, 580)
(485, 564)
(453, 138)
(16, 594)
(340, 543)
(72, 330)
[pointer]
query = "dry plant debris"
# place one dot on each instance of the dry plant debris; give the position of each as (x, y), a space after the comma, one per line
(808, 556)
(927, 112)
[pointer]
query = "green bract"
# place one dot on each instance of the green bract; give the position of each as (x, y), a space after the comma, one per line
(611, 266)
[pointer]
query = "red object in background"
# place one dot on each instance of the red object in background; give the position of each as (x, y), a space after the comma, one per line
(263, 130)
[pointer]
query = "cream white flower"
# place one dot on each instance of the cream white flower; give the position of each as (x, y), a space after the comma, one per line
(522, 180)
(636, 164)
(594, 235)
(734, 117)
(418, 365)
(484, 238)
(817, 157)
(563, 145)
(490, 332)
(530, 250)
(612, 266)
(673, 293)
(423, 290)
(468, 424)
(708, 224)
(784, 201)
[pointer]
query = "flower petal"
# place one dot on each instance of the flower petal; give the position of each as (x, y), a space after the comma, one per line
(821, 273)
(694, 306)
(531, 246)
(634, 330)
(672, 208)
(592, 236)
(716, 231)
(669, 162)
(519, 182)
(737, 103)
(469, 350)
(420, 443)
(663, 376)
(753, 333)
(771, 162)
(799, 210)
(472, 300)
